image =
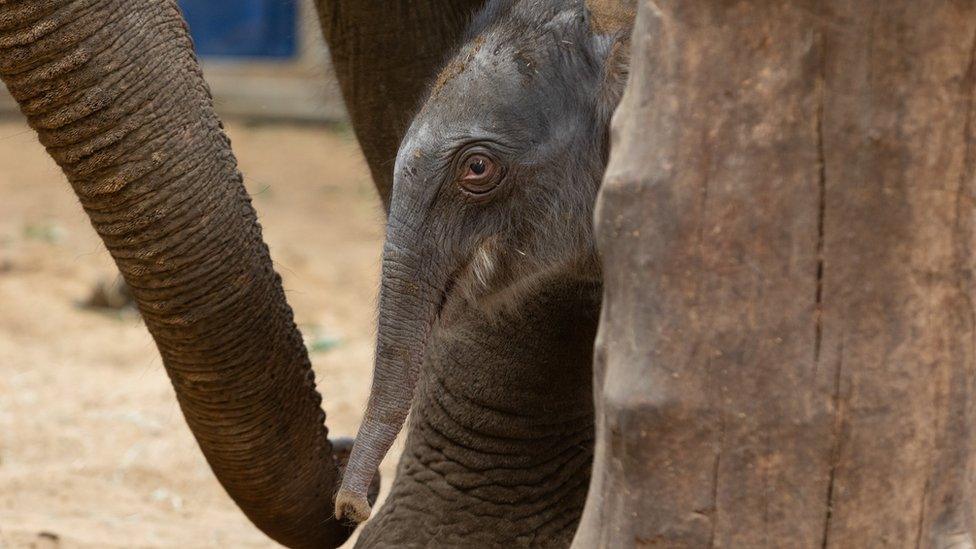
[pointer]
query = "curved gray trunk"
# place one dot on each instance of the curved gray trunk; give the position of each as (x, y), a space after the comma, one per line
(410, 298)
(114, 91)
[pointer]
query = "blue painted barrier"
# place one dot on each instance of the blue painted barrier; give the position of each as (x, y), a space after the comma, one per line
(243, 28)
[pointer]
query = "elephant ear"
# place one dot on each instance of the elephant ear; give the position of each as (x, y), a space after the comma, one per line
(614, 52)
(611, 22)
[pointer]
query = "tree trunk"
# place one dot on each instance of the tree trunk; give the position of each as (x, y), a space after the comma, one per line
(786, 356)
(612, 16)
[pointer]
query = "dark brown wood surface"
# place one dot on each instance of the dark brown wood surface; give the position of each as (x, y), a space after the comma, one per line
(610, 16)
(786, 357)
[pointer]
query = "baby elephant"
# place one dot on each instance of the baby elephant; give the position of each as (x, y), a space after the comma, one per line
(494, 189)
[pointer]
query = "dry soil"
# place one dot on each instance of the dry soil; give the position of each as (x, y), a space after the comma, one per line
(93, 448)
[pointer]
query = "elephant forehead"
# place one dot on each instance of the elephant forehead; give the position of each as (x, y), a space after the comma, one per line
(481, 101)
(481, 77)
(457, 66)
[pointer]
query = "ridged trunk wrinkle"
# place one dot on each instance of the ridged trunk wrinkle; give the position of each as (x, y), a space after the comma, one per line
(115, 93)
(413, 288)
(501, 431)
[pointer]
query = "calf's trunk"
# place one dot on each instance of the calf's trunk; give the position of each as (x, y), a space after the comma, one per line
(115, 93)
(412, 292)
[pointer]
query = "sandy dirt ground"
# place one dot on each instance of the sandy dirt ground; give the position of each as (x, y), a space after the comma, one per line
(93, 448)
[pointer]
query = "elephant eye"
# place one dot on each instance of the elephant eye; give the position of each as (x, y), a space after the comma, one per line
(479, 167)
(479, 175)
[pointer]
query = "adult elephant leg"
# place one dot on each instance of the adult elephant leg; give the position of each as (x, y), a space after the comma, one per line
(385, 54)
(115, 93)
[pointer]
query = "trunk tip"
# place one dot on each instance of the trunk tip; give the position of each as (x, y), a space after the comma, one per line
(351, 506)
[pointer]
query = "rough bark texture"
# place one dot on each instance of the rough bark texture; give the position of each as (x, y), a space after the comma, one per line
(115, 94)
(385, 55)
(611, 16)
(786, 355)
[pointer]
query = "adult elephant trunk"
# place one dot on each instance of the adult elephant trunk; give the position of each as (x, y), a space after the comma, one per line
(414, 285)
(115, 93)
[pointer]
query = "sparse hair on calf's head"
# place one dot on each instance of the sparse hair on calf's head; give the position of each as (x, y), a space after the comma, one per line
(533, 79)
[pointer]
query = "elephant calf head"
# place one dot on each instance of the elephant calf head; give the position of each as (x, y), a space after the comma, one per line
(494, 188)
